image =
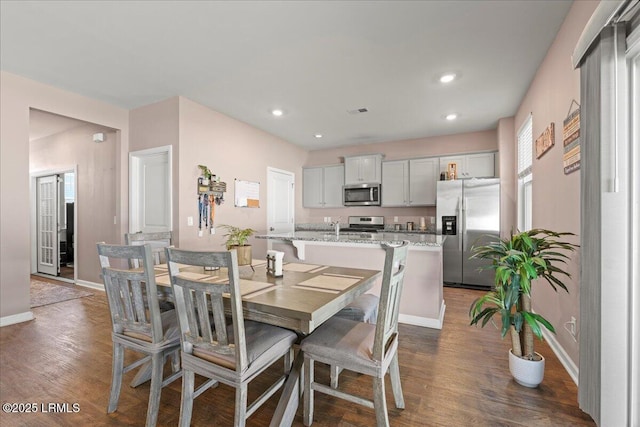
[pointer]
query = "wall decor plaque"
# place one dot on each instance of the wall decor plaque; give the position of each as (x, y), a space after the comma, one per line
(545, 141)
(571, 141)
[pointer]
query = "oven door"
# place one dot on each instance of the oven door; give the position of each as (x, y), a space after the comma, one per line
(361, 195)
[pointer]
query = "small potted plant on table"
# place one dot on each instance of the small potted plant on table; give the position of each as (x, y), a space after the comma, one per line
(237, 239)
(517, 261)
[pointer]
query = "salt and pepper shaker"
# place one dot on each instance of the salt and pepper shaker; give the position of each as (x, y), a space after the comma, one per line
(274, 263)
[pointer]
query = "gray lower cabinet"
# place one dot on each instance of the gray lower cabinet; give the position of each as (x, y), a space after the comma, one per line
(410, 182)
(322, 186)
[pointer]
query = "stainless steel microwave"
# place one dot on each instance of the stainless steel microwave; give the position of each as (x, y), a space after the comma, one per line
(361, 195)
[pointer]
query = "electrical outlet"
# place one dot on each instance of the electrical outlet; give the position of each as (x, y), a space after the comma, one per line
(571, 327)
(190, 221)
(395, 219)
(212, 230)
(200, 233)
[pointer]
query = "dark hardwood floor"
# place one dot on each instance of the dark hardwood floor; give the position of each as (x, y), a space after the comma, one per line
(457, 376)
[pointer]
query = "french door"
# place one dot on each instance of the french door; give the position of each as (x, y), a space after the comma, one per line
(48, 245)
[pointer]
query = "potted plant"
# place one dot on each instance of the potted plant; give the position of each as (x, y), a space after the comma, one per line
(517, 261)
(205, 174)
(237, 239)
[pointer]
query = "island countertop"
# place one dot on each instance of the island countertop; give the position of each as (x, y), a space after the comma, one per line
(356, 237)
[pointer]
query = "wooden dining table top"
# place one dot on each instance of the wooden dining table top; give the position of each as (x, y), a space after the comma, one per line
(302, 299)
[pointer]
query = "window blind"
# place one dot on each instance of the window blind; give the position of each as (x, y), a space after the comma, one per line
(525, 148)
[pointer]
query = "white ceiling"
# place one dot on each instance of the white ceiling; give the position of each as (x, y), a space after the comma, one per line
(314, 60)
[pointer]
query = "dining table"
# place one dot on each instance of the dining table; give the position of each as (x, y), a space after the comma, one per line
(305, 296)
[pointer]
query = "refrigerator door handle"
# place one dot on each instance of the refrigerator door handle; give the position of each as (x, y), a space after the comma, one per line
(461, 215)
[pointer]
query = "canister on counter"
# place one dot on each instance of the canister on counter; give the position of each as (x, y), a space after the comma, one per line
(410, 226)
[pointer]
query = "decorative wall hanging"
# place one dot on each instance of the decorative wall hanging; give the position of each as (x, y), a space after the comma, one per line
(247, 194)
(545, 141)
(571, 140)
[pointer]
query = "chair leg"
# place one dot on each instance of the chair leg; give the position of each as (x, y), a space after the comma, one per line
(186, 401)
(308, 392)
(175, 361)
(157, 363)
(116, 377)
(396, 386)
(335, 373)
(380, 403)
(241, 406)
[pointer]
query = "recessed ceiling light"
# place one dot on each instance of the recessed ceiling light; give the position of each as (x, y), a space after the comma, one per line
(447, 78)
(277, 112)
(451, 116)
(318, 135)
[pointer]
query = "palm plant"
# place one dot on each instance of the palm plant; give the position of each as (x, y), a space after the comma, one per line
(517, 261)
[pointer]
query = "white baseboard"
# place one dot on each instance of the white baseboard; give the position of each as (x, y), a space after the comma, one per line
(562, 355)
(426, 322)
(91, 285)
(16, 318)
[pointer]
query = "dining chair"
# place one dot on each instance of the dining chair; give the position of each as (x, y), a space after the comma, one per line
(137, 323)
(158, 241)
(228, 349)
(363, 309)
(370, 349)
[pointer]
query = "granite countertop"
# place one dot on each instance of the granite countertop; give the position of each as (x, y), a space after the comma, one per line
(389, 237)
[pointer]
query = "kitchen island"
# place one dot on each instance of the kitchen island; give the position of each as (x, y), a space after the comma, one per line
(422, 300)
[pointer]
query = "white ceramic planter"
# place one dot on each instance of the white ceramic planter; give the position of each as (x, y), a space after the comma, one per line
(528, 373)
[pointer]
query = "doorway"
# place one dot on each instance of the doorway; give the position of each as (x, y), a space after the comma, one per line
(150, 190)
(280, 200)
(54, 224)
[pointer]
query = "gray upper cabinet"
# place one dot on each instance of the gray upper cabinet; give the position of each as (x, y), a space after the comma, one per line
(423, 178)
(409, 182)
(395, 183)
(363, 169)
(479, 165)
(322, 186)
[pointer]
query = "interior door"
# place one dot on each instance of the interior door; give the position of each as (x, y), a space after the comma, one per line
(48, 245)
(280, 200)
(150, 179)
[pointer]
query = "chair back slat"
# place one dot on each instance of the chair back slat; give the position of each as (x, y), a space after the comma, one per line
(158, 241)
(132, 294)
(201, 306)
(390, 294)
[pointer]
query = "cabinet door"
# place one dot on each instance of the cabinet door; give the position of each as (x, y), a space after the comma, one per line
(312, 187)
(333, 182)
(423, 176)
(481, 165)
(352, 170)
(371, 168)
(394, 183)
(458, 160)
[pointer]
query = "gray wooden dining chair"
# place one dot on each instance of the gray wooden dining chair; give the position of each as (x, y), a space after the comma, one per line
(370, 349)
(222, 348)
(158, 241)
(137, 323)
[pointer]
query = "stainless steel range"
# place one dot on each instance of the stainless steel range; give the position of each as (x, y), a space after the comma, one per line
(368, 224)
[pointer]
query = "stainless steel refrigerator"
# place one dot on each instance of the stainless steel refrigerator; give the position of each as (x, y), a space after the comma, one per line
(468, 213)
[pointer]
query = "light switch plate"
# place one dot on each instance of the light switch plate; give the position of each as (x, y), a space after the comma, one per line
(395, 219)
(190, 221)
(200, 233)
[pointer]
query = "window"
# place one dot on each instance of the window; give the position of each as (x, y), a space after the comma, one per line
(525, 175)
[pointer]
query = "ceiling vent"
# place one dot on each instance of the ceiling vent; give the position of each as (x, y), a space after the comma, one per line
(358, 111)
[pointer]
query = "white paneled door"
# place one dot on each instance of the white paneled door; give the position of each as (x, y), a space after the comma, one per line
(47, 224)
(280, 200)
(150, 181)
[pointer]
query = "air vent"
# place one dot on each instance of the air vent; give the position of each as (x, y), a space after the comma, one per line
(358, 111)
